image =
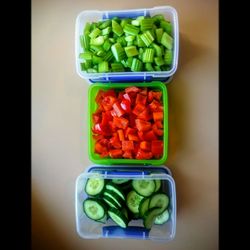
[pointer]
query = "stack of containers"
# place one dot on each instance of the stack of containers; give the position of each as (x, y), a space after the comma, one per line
(126, 168)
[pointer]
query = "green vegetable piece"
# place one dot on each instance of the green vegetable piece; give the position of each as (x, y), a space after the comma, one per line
(135, 22)
(103, 67)
(87, 28)
(157, 68)
(136, 65)
(148, 55)
(131, 29)
(168, 57)
(140, 42)
(146, 24)
(86, 56)
(130, 38)
(91, 70)
(129, 62)
(159, 61)
(96, 32)
(105, 24)
(167, 41)
(125, 21)
(131, 51)
(118, 52)
(149, 67)
(96, 59)
(117, 67)
(157, 49)
(147, 38)
(106, 31)
(97, 41)
(166, 26)
(108, 56)
(159, 33)
(116, 28)
(107, 45)
(157, 18)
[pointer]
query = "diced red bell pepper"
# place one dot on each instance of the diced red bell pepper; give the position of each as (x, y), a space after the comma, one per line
(157, 148)
(159, 124)
(145, 115)
(110, 92)
(96, 118)
(107, 102)
(113, 113)
(127, 145)
(142, 99)
(115, 153)
(143, 155)
(106, 117)
(138, 108)
(132, 118)
(132, 137)
(144, 91)
(142, 125)
(141, 135)
(104, 154)
(127, 154)
(154, 95)
(136, 148)
(120, 95)
(160, 108)
(120, 134)
(158, 116)
(120, 122)
(100, 148)
(99, 96)
(97, 129)
(145, 145)
(132, 89)
(127, 97)
(129, 131)
(157, 130)
(126, 105)
(154, 105)
(115, 142)
(150, 136)
(118, 109)
(98, 137)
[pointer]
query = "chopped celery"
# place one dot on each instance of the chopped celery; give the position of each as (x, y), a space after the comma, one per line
(157, 49)
(140, 42)
(149, 67)
(168, 57)
(106, 46)
(167, 41)
(125, 21)
(117, 67)
(106, 31)
(147, 38)
(116, 28)
(159, 61)
(105, 24)
(136, 65)
(96, 59)
(112, 40)
(95, 33)
(135, 22)
(131, 29)
(146, 24)
(130, 43)
(148, 55)
(131, 51)
(91, 70)
(103, 67)
(97, 41)
(129, 38)
(122, 41)
(129, 62)
(157, 18)
(108, 56)
(159, 33)
(157, 68)
(166, 26)
(86, 55)
(118, 52)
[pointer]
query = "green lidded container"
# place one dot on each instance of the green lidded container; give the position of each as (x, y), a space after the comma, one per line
(92, 106)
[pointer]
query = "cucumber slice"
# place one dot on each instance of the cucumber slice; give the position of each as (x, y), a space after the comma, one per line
(157, 185)
(112, 187)
(159, 200)
(118, 217)
(112, 195)
(103, 220)
(94, 186)
(143, 207)
(150, 216)
(94, 209)
(110, 202)
(120, 181)
(144, 187)
(162, 218)
(133, 201)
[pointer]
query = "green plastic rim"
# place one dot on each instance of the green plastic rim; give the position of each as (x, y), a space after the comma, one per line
(92, 106)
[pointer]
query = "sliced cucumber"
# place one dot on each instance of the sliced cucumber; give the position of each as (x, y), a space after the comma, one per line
(143, 207)
(159, 200)
(144, 187)
(110, 202)
(94, 209)
(112, 195)
(162, 218)
(118, 217)
(94, 186)
(120, 181)
(133, 201)
(103, 220)
(150, 216)
(157, 185)
(112, 187)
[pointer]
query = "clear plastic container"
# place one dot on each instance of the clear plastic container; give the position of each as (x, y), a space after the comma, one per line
(95, 15)
(93, 90)
(89, 229)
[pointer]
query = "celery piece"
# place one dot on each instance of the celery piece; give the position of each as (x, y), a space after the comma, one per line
(139, 41)
(136, 65)
(86, 55)
(100, 53)
(159, 61)
(135, 22)
(166, 26)
(95, 33)
(165, 68)
(93, 26)
(168, 57)
(91, 70)
(103, 67)
(105, 24)
(149, 67)
(118, 52)
(131, 51)
(116, 19)
(95, 48)
(98, 41)
(167, 41)
(147, 38)
(157, 18)
(130, 43)
(157, 68)
(108, 56)
(106, 31)
(122, 41)
(96, 59)
(148, 55)
(116, 28)
(146, 24)
(158, 33)
(141, 50)
(157, 49)
(130, 38)
(125, 21)
(112, 40)
(129, 62)
(87, 28)
(85, 41)
(82, 65)
(107, 45)
(131, 29)
(117, 67)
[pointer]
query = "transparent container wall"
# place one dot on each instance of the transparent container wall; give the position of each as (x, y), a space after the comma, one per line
(87, 228)
(95, 15)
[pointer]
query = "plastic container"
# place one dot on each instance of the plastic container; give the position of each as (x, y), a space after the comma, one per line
(95, 15)
(89, 229)
(93, 90)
